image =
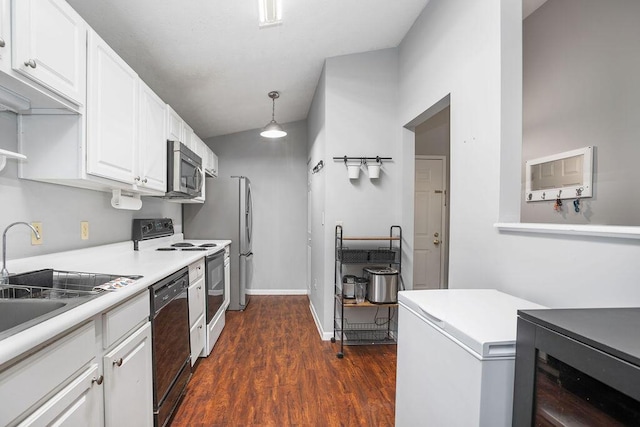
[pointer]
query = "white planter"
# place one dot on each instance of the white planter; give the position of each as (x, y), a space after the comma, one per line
(374, 170)
(354, 170)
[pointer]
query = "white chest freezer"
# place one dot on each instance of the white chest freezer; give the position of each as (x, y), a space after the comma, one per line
(456, 357)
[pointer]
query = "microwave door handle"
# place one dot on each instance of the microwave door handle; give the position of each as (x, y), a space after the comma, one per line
(200, 179)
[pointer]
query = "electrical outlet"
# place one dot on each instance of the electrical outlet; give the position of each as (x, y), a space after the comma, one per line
(34, 239)
(84, 230)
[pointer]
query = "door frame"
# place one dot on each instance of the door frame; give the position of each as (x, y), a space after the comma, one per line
(444, 241)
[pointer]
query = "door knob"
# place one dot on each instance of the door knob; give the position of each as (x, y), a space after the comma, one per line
(31, 63)
(118, 362)
(2, 42)
(436, 242)
(98, 380)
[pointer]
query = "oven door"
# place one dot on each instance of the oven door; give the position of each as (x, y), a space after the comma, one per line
(215, 280)
(184, 172)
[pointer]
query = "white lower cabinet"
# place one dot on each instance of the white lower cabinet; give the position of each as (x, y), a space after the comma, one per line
(128, 393)
(197, 339)
(197, 309)
(77, 405)
(31, 382)
(99, 374)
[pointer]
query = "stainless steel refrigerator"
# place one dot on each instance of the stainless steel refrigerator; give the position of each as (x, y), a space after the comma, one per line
(226, 214)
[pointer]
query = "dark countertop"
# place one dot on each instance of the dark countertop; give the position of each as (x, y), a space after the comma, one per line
(612, 330)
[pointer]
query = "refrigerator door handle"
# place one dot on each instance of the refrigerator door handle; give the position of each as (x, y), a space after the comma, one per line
(249, 214)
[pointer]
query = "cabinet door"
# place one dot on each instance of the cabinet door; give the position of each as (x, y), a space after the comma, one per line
(50, 46)
(128, 393)
(213, 162)
(174, 125)
(188, 137)
(196, 300)
(152, 153)
(112, 111)
(77, 405)
(197, 339)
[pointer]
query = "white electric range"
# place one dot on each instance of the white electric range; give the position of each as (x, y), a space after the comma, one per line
(158, 235)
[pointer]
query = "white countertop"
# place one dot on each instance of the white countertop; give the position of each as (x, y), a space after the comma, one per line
(117, 259)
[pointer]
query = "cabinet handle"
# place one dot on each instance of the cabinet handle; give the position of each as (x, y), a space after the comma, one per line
(2, 42)
(199, 287)
(199, 326)
(31, 63)
(98, 380)
(144, 181)
(137, 178)
(117, 362)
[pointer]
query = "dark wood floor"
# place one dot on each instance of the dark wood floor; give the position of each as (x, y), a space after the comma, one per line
(270, 368)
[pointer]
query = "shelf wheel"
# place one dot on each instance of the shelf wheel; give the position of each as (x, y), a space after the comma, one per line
(333, 339)
(340, 355)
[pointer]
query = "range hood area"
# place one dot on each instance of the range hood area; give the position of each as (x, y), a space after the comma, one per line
(22, 97)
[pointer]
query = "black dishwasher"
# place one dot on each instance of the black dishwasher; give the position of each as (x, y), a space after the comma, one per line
(170, 335)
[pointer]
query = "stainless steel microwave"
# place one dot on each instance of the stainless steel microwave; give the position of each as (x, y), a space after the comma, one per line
(184, 172)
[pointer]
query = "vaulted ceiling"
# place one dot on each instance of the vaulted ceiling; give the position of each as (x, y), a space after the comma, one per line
(212, 63)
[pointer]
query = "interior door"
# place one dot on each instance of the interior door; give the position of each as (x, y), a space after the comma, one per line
(429, 222)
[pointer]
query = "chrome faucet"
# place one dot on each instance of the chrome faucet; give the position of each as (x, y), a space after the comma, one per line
(4, 275)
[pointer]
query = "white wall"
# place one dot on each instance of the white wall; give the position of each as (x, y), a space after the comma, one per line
(279, 188)
(60, 209)
(470, 50)
(360, 97)
(581, 68)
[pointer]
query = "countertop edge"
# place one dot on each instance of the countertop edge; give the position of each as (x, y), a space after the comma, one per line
(22, 343)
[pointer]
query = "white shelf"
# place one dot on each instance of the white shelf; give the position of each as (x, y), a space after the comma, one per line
(4, 155)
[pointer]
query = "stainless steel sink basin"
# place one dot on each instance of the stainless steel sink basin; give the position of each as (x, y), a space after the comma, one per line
(35, 296)
(15, 312)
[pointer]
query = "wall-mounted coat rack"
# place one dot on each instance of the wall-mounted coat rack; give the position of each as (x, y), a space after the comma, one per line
(354, 164)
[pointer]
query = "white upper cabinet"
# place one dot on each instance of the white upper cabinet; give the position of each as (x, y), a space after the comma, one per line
(5, 35)
(188, 137)
(174, 125)
(112, 114)
(152, 150)
(50, 46)
(212, 163)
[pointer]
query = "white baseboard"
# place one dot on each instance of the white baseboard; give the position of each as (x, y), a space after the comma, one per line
(277, 292)
(325, 336)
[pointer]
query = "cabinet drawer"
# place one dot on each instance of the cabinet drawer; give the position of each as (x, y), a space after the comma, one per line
(124, 318)
(27, 382)
(196, 301)
(196, 270)
(197, 338)
(77, 404)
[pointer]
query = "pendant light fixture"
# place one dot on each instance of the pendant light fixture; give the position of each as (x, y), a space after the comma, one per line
(273, 129)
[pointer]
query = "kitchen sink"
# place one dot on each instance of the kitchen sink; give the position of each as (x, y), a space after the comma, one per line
(16, 312)
(35, 296)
